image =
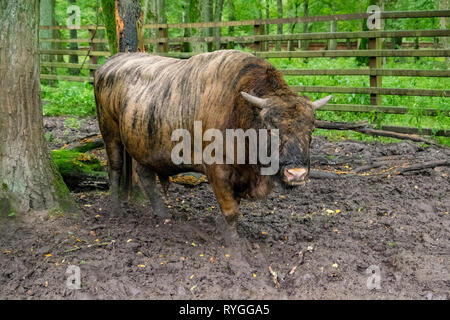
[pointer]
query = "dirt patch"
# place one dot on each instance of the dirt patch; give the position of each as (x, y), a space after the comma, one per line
(65, 130)
(320, 239)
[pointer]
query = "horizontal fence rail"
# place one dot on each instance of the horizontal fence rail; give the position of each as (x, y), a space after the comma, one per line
(91, 49)
(308, 36)
(374, 90)
(367, 72)
(77, 53)
(380, 109)
(328, 18)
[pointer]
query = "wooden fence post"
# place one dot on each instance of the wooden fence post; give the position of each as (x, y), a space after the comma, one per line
(92, 47)
(375, 63)
(162, 46)
(258, 30)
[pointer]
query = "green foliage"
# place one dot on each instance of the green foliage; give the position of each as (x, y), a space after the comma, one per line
(69, 98)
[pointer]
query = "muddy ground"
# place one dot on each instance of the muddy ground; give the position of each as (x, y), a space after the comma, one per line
(320, 239)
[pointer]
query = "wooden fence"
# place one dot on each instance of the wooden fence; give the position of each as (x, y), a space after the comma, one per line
(257, 42)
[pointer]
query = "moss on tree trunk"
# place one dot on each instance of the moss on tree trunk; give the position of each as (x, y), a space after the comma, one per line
(109, 18)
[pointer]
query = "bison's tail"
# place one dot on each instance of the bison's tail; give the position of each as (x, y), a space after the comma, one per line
(127, 174)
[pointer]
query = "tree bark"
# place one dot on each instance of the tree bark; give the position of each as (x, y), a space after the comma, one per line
(186, 47)
(231, 17)
(29, 180)
(445, 25)
(218, 8)
(267, 26)
(296, 5)
(108, 11)
(150, 17)
(73, 46)
(206, 16)
(305, 43)
(279, 26)
(128, 13)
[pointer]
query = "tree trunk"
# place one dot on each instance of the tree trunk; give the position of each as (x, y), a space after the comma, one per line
(108, 11)
(231, 17)
(150, 17)
(47, 18)
(128, 14)
(73, 46)
(279, 26)
(218, 7)
(186, 47)
(445, 25)
(29, 178)
(206, 16)
(305, 43)
(267, 26)
(332, 43)
(292, 26)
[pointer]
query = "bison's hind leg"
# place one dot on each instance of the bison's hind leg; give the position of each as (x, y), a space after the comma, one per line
(114, 150)
(147, 178)
(165, 183)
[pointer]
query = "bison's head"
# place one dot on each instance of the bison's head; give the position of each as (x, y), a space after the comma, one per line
(294, 118)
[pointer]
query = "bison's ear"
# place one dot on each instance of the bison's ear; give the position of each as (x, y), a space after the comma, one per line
(321, 102)
(259, 102)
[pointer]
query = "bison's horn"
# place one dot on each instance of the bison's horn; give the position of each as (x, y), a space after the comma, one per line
(260, 102)
(321, 102)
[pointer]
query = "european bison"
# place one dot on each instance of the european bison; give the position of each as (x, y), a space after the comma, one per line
(142, 98)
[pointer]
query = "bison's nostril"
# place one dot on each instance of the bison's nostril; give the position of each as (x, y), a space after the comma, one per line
(295, 174)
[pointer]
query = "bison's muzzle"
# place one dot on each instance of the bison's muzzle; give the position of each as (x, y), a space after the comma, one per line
(294, 176)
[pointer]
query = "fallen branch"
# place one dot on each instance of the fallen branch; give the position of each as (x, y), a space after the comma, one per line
(370, 166)
(402, 136)
(425, 165)
(322, 124)
(364, 127)
(318, 174)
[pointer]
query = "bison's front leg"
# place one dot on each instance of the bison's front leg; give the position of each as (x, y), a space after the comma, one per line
(147, 178)
(229, 204)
